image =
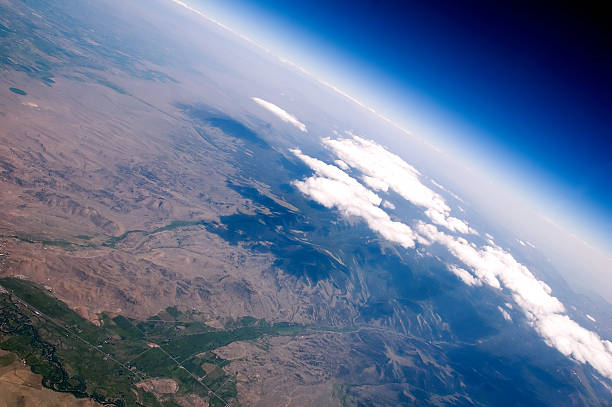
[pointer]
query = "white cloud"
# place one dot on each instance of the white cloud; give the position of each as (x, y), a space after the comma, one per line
(376, 183)
(543, 311)
(461, 249)
(451, 223)
(388, 205)
(505, 313)
(384, 170)
(280, 113)
(446, 190)
(464, 275)
(573, 340)
(332, 187)
(438, 185)
(344, 166)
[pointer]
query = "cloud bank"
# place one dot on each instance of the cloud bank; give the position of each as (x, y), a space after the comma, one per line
(384, 170)
(504, 313)
(489, 264)
(280, 113)
(332, 187)
(464, 275)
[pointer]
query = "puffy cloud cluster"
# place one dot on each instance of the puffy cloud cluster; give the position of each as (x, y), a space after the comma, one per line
(388, 205)
(464, 275)
(282, 114)
(342, 164)
(498, 268)
(332, 187)
(504, 313)
(489, 264)
(384, 170)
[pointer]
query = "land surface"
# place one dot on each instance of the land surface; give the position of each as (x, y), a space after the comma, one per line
(153, 250)
(20, 387)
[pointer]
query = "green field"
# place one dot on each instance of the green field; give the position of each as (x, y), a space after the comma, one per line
(18, 91)
(106, 362)
(175, 224)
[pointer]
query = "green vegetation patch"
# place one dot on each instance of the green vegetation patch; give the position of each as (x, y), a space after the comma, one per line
(106, 362)
(18, 91)
(47, 242)
(175, 224)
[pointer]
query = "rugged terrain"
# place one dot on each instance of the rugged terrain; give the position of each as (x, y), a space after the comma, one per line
(149, 221)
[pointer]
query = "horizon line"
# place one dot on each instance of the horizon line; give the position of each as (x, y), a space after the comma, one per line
(592, 245)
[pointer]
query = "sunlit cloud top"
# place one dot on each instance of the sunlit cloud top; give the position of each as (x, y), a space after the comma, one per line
(280, 113)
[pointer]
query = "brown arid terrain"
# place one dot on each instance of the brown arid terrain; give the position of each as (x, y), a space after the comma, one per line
(154, 250)
(303, 370)
(84, 161)
(20, 387)
(106, 183)
(91, 164)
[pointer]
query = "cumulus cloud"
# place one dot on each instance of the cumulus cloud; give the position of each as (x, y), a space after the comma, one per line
(384, 170)
(464, 275)
(451, 223)
(332, 187)
(388, 205)
(498, 268)
(573, 340)
(489, 264)
(504, 313)
(341, 164)
(376, 183)
(280, 113)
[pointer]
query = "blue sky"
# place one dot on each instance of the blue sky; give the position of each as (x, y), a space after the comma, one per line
(523, 92)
